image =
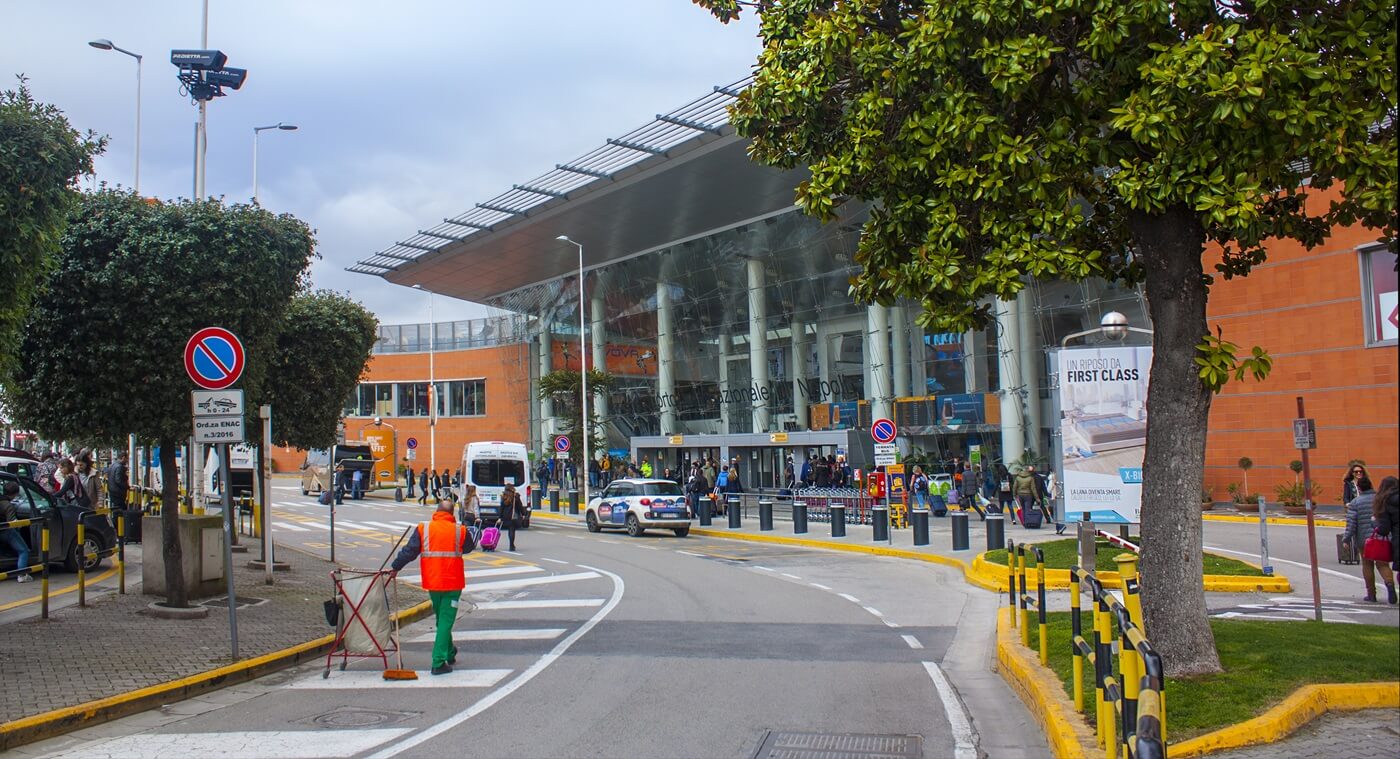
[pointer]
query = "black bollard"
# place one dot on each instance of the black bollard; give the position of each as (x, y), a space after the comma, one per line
(736, 519)
(573, 500)
(996, 531)
(838, 521)
(705, 519)
(537, 496)
(554, 499)
(799, 518)
(765, 515)
(920, 517)
(959, 520)
(880, 518)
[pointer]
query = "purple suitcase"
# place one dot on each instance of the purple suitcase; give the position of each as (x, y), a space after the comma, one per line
(490, 537)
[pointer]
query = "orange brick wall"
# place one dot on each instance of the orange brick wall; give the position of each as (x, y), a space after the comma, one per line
(506, 371)
(1304, 307)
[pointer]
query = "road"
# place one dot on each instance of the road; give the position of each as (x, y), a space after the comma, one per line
(604, 645)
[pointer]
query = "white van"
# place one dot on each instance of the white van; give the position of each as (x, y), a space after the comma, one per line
(492, 466)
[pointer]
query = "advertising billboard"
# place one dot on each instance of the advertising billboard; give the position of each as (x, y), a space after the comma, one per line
(382, 442)
(1101, 404)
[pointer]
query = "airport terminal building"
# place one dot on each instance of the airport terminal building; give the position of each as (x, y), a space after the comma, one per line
(723, 313)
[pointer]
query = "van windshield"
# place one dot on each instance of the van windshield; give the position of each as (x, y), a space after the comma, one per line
(492, 473)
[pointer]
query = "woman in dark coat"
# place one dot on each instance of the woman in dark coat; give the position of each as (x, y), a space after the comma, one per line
(513, 513)
(1387, 516)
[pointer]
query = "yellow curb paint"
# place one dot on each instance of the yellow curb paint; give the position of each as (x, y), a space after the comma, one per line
(59, 721)
(1301, 707)
(1273, 520)
(1041, 692)
(90, 581)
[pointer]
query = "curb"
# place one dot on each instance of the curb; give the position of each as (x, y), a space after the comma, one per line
(59, 721)
(1043, 695)
(1301, 707)
(995, 574)
(1273, 520)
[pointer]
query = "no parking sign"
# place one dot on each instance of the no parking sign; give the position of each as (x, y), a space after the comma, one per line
(214, 358)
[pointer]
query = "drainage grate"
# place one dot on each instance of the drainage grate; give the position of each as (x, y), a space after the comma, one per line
(779, 745)
(350, 717)
(244, 602)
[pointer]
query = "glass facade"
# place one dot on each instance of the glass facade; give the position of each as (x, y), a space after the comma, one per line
(410, 399)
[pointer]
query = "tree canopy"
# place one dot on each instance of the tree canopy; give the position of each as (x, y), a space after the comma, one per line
(323, 347)
(565, 387)
(41, 158)
(1000, 141)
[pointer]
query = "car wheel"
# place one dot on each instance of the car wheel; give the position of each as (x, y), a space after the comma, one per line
(92, 545)
(682, 531)
(592, 520)
(634, 527)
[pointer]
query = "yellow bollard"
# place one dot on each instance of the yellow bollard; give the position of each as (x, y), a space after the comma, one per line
(121, 553)
(1110, 732)
(1025, 613)
(80, 550)
(1103, 665)
(1132, 675)
(1040, 609)
(1075, 632)
(1011, 577)
(44, 572)
(1128, 570)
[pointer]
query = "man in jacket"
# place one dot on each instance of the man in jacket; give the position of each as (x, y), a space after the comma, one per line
(1027, 490)
(439, 546)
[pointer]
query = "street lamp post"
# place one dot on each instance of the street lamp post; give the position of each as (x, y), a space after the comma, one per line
(256, 130)
(432, 382)
(583, 368)
(105, 44)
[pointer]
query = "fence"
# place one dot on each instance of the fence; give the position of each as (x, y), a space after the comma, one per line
(1130, 709)
(83, 551)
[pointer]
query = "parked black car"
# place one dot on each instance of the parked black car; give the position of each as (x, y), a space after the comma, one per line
(33, 502)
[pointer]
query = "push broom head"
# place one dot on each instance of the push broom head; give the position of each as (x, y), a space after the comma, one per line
(400, 674)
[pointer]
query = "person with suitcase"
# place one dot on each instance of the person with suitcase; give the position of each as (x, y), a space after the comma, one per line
(513, 512)
(439, 546)
(1027, 491)
(1361, 534)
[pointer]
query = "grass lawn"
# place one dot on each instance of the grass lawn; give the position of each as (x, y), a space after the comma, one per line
(1264, 662)
(1063, 554)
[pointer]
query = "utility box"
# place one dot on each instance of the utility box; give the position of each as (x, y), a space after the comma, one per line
(201, 550)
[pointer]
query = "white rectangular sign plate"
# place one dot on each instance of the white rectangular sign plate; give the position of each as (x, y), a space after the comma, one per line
(216, 402)
(218, 429)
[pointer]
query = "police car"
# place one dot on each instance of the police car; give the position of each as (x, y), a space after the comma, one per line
(637, 505)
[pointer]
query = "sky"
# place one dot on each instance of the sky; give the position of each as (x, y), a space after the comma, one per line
(408, 111)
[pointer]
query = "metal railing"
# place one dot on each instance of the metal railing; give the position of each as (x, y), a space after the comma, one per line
(81, 555)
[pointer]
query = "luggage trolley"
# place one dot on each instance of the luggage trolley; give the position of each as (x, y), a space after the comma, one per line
(366, 627)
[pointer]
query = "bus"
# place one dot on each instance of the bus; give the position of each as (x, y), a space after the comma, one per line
(490, 467)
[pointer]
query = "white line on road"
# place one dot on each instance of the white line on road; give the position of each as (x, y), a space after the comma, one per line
(394, 528)
(374, 680)
(964, 739)
(819, 586)
(912, 641)
(271, 744)
(483, 635)
(849, 597)
(648, 548)
(544, 603)
(519, 680)
(289, 526)
(353, 525)
(1332, 572)
(498, 571)
(790, 576)
(525, 582)
(874, 611)
(888, 623)
(555, 561)
(690, 553)
(759, 568)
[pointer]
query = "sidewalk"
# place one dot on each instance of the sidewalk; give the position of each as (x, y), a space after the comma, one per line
(114, 652)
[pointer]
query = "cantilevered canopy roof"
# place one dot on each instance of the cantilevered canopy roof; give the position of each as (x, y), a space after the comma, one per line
(683, 174)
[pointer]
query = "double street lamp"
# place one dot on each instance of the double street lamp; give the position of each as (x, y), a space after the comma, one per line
(583, 369)
(279, 125)
(105, 44)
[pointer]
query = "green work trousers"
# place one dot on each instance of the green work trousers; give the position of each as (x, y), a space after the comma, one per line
(445, 613)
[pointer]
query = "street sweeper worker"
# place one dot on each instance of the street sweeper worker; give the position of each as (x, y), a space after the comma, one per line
(439, 545)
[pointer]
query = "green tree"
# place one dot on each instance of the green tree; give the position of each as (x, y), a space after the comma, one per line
(1002, 141)
(564, 386)
(103, 352)
(323, 348)
(41, 158)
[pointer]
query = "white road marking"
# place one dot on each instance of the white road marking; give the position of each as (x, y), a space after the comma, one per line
(519, 680)
(396, 529)
(849, 597)
(560, 603)
(819, 586)
(761, 569)
(286, 487)
(912, 641)
(498, 571)
(789, 576)
(888, 623)
(374, 680)
(1332, 572)
(526, 582)
(353, 525)
(556, 561)
(648, 548)
(290, 526)
(874, 611)
(482, 635)
(964, 739)
(271, 744)
(690, 553)
(575, 537)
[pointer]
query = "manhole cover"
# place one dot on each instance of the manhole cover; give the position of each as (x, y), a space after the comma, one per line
(778, 745)
(243, 602)
(354, 717)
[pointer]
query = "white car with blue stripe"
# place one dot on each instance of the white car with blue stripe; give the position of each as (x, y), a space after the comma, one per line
(637, 505)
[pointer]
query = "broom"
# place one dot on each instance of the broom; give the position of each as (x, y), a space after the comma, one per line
(400, 673)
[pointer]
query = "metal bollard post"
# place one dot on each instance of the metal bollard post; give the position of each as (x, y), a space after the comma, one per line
(765, 515)
(573, 500)
(537, 496)
(121, 552)
(961, 541)
(1132, 600)
(554, 499)
(705, 518)
(1040, 607)
(1011, 577)
(921, 527)
(881, 523)
(44, 571)
(799, 518)
(1025, 610)
(996, 531)
(80, 550)
(1076, 630)
(838, 520)
(736, 517)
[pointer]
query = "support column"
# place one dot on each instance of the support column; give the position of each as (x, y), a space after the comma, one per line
(1030, 360)
(665, 375)
(798, 367)
(598, 335)
(899, 339)
(823, 363)
(877, 340)
(758, 345)
(546, 404)
(1013, 441)
(722, 353)
(974, 361)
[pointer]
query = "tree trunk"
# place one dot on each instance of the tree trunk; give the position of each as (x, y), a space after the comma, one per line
(1178, 409)
(170, 527)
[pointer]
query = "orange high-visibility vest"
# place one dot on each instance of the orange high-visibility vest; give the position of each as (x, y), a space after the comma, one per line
(441, 557)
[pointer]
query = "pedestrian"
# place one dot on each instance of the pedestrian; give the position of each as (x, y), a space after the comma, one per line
(117, 485)
(790, 474)
(1387, 516)
(1361, 533)
(513, 512)
(1027, 491)
(1005, 496)
(411, 479)
(919, 484)
(357, 484)
(11, 536)
(423, 487)
(821, 472)
(646, 467)
(338, 484)
(699, 487)
(721, 487)
(89, 479)
(439, 546)
(471, 506)
(46, 471)
(1355, 471)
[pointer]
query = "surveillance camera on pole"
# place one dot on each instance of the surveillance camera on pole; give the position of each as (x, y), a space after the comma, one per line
(204, 75)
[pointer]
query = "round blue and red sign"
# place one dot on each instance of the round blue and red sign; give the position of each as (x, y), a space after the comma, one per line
(412, 443)
(214, 358)
(883, 431)
(562, 444)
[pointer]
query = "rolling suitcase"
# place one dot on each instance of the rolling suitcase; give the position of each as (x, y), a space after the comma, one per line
(1346, 554)
(1030, 518)
(490, 537)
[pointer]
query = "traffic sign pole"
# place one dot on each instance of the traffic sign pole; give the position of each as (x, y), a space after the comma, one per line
(1312, 524)
(228, 547)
